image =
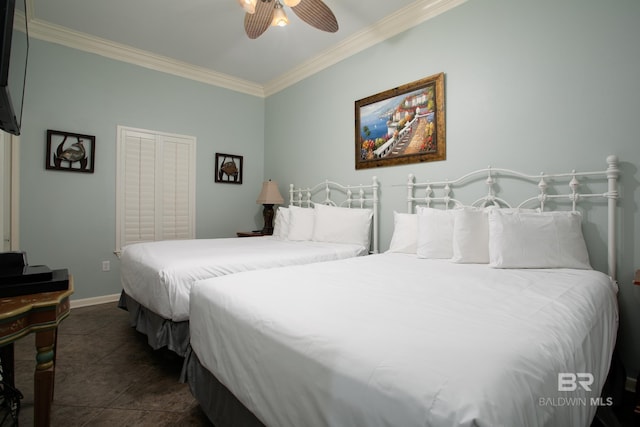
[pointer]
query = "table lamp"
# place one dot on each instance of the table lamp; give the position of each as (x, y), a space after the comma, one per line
(268, 197)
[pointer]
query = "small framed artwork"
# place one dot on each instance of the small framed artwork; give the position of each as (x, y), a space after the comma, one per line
(401, 125)
(228, 168)
(73, 152)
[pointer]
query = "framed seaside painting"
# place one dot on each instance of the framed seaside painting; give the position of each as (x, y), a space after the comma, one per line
(402, 125)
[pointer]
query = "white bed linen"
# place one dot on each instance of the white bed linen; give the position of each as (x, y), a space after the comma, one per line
(394, 340)
(159, 275)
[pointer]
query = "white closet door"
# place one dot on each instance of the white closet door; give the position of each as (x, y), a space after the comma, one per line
(176, 194)
(139, 188)
(156, 186)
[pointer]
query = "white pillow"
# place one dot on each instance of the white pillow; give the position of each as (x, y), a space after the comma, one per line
(342, 225)
(435, 233)
(301, 222)
(471, 236)
(281, 224)
(537, 240)
(405, 233)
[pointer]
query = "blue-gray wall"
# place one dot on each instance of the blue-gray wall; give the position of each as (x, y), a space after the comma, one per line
(535, 86)
(67, 220)
(549, 85)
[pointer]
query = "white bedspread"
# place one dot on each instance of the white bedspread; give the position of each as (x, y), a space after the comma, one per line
(392, 340)
(159, 275)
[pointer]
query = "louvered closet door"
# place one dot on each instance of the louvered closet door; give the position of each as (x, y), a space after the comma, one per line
(156, 187)
(176, 215)
(139, 189)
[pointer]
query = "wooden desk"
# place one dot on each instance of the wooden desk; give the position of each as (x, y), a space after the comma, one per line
(636, 281)
(39, 313)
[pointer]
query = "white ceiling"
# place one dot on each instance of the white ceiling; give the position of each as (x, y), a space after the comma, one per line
(205, 39)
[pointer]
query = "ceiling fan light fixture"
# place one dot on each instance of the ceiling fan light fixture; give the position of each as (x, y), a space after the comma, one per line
(279, 16)
(271, 13)
(249, 6)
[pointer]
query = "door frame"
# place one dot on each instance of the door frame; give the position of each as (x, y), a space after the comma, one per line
(10, 158)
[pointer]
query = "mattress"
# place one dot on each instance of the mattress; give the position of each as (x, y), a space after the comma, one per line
(159, 275)
(391, 339)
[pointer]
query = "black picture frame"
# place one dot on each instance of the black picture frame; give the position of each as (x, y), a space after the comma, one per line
(70, 152)
(228, 168)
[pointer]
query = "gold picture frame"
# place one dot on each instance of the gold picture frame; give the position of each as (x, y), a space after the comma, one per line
(401, 125)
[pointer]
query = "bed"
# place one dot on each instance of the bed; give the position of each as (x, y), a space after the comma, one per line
(411, 337)
(157, 276)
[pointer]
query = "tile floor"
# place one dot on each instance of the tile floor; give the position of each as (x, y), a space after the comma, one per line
(106, 375)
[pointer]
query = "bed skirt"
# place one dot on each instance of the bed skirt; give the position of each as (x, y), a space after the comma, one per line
(160, 332)
(217, 402)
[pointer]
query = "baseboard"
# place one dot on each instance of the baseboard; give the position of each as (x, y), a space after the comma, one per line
(85, 302)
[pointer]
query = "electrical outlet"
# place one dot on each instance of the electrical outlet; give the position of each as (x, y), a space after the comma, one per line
(106, 266)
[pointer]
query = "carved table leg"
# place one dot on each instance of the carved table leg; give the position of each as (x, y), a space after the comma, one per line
(44, 376)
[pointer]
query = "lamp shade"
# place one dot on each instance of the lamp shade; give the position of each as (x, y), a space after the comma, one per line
(270, 195)
(279, 16)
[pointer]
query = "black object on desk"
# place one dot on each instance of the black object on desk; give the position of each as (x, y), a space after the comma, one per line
(19, 278)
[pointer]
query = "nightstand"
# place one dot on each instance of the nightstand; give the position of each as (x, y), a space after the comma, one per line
(250, 234)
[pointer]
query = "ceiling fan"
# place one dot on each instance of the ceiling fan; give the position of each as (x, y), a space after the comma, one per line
(263, 13)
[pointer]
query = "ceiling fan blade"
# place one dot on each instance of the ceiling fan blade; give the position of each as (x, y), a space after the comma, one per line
(257, 23)
(317, 14)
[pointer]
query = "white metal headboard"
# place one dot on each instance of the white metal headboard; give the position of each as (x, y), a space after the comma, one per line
(561, 187)
(349, 196)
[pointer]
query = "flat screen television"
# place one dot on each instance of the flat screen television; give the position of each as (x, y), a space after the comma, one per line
(14, 49)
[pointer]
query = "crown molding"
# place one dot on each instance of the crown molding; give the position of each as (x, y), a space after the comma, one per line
(400, 21)
(46, 31)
